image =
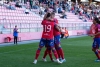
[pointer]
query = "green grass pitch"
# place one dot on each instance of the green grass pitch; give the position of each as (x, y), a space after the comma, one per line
(77, 53)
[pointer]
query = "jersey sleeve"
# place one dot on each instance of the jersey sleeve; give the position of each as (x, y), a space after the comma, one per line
(56, 21)
(42, 22)
(98, 28)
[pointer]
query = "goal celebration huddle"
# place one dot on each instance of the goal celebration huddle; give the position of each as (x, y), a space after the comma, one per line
(51, 39)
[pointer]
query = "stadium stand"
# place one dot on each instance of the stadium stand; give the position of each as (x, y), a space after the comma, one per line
(31, 23)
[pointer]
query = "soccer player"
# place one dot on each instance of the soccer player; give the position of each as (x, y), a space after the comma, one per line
(48, 48)
(47, 37)
(96, 35)
(56, 41)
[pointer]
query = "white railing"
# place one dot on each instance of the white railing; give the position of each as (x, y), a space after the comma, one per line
(37, 27)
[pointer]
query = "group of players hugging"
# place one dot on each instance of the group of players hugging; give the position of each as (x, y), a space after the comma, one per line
(51, 39)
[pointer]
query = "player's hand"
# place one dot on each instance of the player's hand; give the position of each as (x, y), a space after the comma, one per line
(92, 35)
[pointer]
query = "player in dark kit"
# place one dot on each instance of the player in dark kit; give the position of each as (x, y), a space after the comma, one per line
(47, 37)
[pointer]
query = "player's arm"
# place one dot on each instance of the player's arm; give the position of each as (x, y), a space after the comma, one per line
(92, 35)
(58, 27)
(92, 30)
(43, 21)
(97, 33)
(17, 30)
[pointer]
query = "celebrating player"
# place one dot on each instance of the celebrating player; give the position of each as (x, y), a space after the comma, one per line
(56, 41)
(96, 35)
(47, 37)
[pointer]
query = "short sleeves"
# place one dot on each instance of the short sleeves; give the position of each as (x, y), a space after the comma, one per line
(43, 22)
(98, 28)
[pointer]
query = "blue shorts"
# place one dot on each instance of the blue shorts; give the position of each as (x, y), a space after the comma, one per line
(57, 40)
(96, 43)
(46, 42)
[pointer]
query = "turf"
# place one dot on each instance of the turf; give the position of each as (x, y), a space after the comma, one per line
(77, 53)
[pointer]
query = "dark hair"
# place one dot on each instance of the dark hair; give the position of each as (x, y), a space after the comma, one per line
(97, 20)
(15, 25)
(53, 13)
(48, 15)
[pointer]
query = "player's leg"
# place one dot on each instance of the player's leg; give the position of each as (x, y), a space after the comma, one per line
(58, 53)
(51, 43)
(47, 51)
(58, 48)
(98, 45)
(41, 44)
(55, 41)
(95, 48)
(50, 54)
(14, 39)
(45, 54)
(98, 51)
(98, 56)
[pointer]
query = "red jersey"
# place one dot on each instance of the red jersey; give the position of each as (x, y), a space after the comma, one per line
(97, 29)
(56, 32)
(48, 27)
(92, 29)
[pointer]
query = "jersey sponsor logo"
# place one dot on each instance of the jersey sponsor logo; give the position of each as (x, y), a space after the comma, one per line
(47, 22)
(47, 34)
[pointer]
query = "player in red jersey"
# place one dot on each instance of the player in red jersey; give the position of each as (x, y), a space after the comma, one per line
(47, 37)
(57, 39)
(48, 48)
(56, 42)
(96, 35)
(92, 29)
